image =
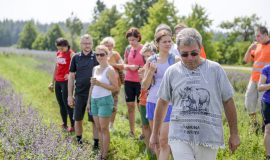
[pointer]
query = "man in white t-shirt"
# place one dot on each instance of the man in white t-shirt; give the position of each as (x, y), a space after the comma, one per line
(198, 90)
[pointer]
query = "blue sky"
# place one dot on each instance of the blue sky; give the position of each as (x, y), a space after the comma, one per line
(46, 11)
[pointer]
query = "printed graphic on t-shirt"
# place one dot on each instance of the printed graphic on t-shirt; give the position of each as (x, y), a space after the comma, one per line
(195, 100)
(192, 108)
(196, 97)
(61, 60)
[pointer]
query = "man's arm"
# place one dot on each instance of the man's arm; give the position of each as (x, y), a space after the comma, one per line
(231, 115)
(71, 79)
(160, 112)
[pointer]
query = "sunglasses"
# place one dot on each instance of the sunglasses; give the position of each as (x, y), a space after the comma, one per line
(192, 53)
(100, 54)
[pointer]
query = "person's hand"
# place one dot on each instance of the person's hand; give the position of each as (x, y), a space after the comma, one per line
(141, 72)
(88, 107)
(50, 87)
(234, 142)
(152, 67)
(94, 81)
(71, 101)
(134, 67)
(66, 77)
(154, 142)
(253, 46)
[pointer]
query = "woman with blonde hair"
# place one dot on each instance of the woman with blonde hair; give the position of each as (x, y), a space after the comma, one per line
(100, 100)
(117, 63)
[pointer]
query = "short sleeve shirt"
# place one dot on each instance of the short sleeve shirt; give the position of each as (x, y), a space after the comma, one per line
(133, 57)
(266, 73)
(82, 65)
(197, 98)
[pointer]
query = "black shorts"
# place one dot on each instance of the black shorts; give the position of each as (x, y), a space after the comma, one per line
(132, 91)
(266, 112)
(80, 106)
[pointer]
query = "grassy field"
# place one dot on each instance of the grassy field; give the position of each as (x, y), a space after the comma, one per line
(29, 79)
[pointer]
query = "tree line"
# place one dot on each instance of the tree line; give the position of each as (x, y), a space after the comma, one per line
(227, 46)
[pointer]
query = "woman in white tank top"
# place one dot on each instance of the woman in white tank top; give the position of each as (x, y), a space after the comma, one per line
(100, 100)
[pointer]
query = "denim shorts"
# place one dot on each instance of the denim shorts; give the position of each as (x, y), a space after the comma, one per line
(102, 107)
(150, 110)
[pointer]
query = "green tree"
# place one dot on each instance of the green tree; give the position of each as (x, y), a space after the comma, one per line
(136, 15)
(99, 8)
(137, 11)
(119, 32)
(54, 32)
(241, 28)
(40, 42)
(75, 27)
(102, 27)
(161, 12)
(28, 35)
(199, 19)
(238, 33)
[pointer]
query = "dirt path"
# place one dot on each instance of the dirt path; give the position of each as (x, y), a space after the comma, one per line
(238, 68)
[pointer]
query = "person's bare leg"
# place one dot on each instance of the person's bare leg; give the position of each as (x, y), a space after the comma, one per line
(104, 125)
(147, 134)
(131, 116)
(79, 130)
(98, 132)
(164, 153)
(113, 116)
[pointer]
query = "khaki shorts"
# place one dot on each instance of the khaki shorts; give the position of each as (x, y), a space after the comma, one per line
(185, 151)
(253, 97)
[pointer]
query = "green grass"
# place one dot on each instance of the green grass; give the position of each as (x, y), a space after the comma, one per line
(1, 149)
(32, 83)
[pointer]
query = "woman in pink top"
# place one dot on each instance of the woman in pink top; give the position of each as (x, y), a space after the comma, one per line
(133, 61)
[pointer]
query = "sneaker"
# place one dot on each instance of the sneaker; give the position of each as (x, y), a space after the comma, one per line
(131, 134)
(95, 148)
(64, 127)
(80, 142)
(71, 129)
(111, 129)
(141, 137)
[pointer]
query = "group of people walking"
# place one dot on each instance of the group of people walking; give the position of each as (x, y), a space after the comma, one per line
(179, 93)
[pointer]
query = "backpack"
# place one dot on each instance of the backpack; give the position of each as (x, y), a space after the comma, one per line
(153, 58)
(171, 58)
(127, 50)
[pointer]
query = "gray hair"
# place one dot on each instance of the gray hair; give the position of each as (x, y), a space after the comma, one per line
(188, 37)
(149, 47)
(87, 36)
(108, 40)
(163, 26)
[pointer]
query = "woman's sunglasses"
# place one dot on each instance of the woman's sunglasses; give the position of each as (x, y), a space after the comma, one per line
(192, 53)
(100, 54)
